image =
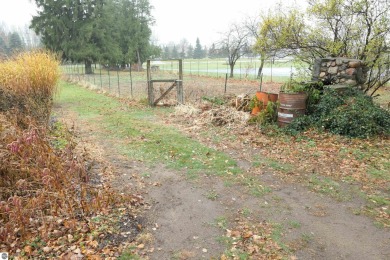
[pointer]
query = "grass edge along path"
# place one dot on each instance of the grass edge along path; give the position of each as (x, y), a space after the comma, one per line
(144, 139)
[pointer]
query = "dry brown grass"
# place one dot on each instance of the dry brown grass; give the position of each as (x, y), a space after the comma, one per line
(27, 84)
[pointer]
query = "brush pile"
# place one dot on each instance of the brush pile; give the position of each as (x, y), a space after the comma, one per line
(225, 116)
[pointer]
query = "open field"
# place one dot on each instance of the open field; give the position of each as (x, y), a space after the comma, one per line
(245, 68)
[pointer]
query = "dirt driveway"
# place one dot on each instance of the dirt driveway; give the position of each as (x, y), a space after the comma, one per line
(196, 218)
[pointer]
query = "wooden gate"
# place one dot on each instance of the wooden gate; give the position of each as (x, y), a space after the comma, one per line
(178, 83)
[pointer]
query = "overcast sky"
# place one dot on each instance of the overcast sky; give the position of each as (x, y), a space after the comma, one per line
(206, 19)
(175, 19)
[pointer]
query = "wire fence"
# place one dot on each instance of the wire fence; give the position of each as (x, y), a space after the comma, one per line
(120, 82)
(245, 68)
(206, 77)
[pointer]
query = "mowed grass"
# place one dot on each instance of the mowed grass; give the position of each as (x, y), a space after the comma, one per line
(141, 136)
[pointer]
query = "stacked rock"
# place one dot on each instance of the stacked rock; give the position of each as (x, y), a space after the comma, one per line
(340, 71)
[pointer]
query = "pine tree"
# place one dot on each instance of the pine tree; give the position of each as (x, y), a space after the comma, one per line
(15, 43)
(190, 52)
(204, 52)
(3, 44)
(198, 52)
(166, 53)
(109, 31)
(175, 53)
(3, 48)
(212, 52)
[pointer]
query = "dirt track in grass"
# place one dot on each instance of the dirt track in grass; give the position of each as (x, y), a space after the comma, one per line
(187, 218)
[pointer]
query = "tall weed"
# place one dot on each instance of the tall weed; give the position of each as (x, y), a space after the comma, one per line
(27, 84)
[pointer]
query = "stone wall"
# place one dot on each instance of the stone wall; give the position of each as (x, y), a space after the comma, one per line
(340, 71)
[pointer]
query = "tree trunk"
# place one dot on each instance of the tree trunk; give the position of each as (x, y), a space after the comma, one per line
(88, 67)
(231, 70)
(260, 71)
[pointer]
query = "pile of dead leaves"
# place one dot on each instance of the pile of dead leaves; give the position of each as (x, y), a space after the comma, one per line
(224, 116)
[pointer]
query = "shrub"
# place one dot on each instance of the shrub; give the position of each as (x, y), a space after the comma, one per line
(27, 84)
(349, 112)
(269, 115)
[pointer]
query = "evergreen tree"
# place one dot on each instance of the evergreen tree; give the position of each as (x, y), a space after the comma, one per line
(198, 52)
(108, 31)
(175, 53)
(71, 28)
(213, 52)
(138, 28)
(166, 53)
(15, 43)
(190, 52)
(204, 52)
(3, 45)
(3, 48)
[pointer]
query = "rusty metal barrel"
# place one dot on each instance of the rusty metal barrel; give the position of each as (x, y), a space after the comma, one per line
(292, 105)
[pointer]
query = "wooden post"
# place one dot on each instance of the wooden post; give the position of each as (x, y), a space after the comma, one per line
(150, 84)
(179, 85)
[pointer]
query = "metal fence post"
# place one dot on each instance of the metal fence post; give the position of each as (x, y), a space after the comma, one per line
(227, 68)
(101, 82)
(119, 88)
(94, 82)
(217, 70)
(131, 83)
(198, 66)
(109, 79)
(226, 77)
(240, 70)
(207, 67)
